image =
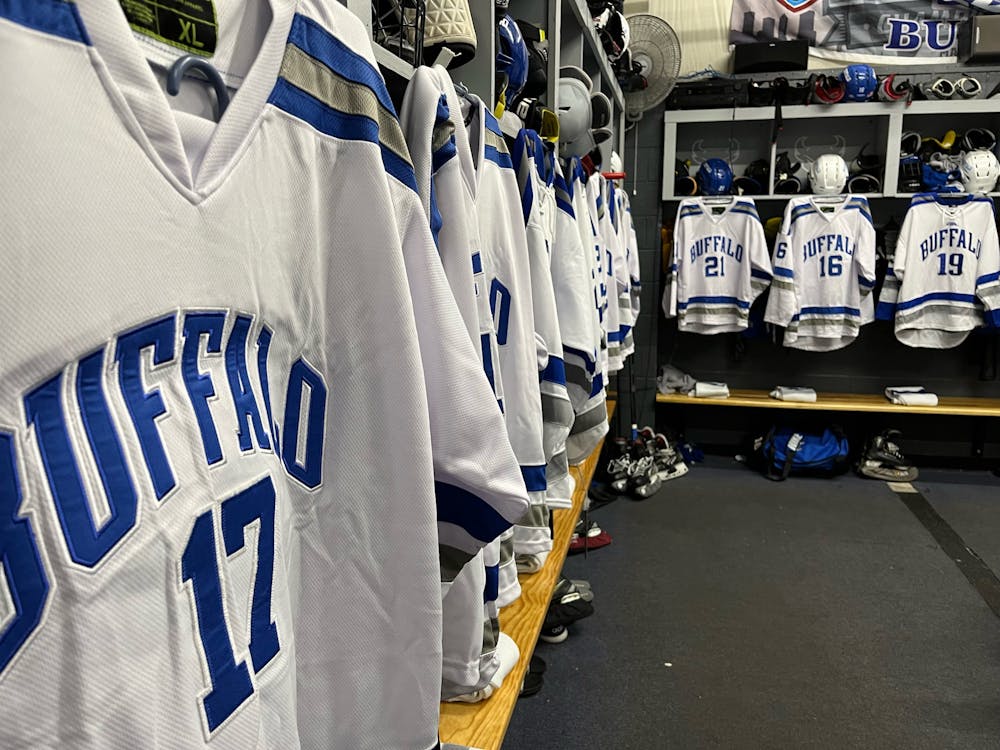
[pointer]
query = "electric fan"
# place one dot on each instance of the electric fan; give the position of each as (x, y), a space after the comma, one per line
(655, 62)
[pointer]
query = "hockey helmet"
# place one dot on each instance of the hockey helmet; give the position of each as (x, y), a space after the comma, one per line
(575, 115)
(759, 170)
(828, 175)
(892, 90)
(538, 59)
(860, 83)
(613, 31)
(715, 177)
(864, 183)
(910, 144)
(828, 90)
(747, 186)
(978, 139)
(512, 57)
(980, 171)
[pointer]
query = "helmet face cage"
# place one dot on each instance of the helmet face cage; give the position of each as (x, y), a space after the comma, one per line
(979, 171)
(715, 177)
(512, 57)
(828, 175)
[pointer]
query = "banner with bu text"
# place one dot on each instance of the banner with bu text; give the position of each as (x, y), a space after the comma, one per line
(918, 30)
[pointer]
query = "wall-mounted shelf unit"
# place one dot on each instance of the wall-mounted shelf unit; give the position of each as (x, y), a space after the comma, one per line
(741, 135)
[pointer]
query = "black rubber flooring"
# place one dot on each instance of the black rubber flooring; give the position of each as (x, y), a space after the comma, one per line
(734, 612)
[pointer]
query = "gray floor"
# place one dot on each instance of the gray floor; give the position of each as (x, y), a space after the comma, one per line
(734, 612)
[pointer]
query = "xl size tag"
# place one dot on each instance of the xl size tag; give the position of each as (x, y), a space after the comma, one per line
(189, 25)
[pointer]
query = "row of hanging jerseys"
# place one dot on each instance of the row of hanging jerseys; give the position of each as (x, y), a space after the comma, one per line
(942, 281)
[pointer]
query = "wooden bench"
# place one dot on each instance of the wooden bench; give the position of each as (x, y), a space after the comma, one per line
(853, 402)
(483, 725)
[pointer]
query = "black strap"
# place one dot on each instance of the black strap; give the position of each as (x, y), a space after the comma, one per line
(791, 447)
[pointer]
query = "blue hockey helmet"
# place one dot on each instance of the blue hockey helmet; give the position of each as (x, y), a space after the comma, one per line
(512, 57)
(715, 177)
(860, 83)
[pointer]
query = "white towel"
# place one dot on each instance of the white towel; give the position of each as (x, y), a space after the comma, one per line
(911, 395)
(794, 393)
(703, 389)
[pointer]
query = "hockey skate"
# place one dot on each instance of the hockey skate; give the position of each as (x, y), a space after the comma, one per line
(669, 464)
(619, 465)
(882, 459)
(643, 475)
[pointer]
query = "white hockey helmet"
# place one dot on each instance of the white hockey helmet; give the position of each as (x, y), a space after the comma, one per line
(575, 115)
(828, 175)
(979, 170)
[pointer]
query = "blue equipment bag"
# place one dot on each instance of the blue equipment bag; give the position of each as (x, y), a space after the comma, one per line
(785, 451)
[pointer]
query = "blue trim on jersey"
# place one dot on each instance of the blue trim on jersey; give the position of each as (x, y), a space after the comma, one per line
(555, 371)
(486, 346)
(435, 218)
(852, 311)
(988, 278)
(319, 44)
(890, 272)
(867, 283)
(498, 157)
(751, 212)
(477, 263)
(468, 511)
(885, 310)
(492, 124)
(598, 385)
(934, 297)
(589, 361)
(443, 155)
(715, 300)
(565, 207)
(54, 17)
(685, 214)
(615, 336)
(534, 480)
(326, 120)
(861, 210)
(561, 184)
(787, 273)
(527, 199)
(491, 591)
(758, 274)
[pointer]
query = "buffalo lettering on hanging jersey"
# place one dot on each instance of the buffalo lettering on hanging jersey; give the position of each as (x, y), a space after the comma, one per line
(952, 237)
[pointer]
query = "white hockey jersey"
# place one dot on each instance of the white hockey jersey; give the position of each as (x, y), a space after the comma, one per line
(217, 493)
(538, 207)
(507, 264)
(824, 272)
(720, 265)
(577, 287)
(619, 242)
(945, 270)
(430, 132)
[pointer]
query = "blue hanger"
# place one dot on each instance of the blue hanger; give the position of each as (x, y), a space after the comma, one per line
(183, 64)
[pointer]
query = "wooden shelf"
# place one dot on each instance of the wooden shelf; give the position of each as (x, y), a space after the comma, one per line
(483, 725)
(855, 402)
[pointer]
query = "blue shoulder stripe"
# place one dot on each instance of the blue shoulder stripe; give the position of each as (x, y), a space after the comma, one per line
(339, 125)
(566, 207)
(491, 122)
(321, 45)
(787, 273)
(491, 591)
(54, 17)
(598, 385)
(495, 156)
(470, 512)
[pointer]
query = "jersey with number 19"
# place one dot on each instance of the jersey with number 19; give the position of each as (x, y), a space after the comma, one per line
(217, 496)
(945, 269)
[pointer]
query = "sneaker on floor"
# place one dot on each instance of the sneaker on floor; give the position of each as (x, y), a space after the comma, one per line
(555, 634)
(567, 605)
(586, 592)
(531, 684)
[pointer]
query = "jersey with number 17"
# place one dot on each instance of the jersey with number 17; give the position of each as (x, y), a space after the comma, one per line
(720, 265)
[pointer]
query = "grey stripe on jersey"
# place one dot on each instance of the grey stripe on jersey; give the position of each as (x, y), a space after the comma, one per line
(955, 309)
(556, 410)
(780, 283)
(319, 81)
(591, 418)
(578, 376)
(443, 132)
(492, 139)
(452, 562)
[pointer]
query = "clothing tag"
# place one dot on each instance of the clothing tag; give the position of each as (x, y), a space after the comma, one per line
(189, 25)
(827, 209)
(718, 210)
